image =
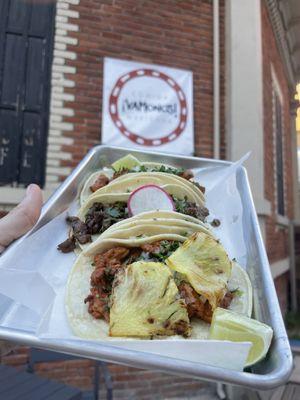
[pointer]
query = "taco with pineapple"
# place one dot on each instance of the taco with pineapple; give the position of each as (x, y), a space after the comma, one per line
(153, 281)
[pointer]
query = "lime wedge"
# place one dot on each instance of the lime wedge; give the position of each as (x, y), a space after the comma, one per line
(229, 325)
(126, 162)
(241, 303)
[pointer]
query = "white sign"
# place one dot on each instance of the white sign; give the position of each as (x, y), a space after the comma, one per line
(147, 106)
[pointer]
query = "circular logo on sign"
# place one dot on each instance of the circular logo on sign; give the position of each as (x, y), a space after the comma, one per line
(148, 107)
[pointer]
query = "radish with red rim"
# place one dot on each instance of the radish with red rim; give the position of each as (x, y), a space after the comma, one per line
(148, 198)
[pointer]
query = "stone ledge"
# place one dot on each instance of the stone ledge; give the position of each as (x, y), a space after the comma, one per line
(62, 5)
(56, 103)
(60, 32)
(58, 171)
(262, 206)
(69, 1)
(63, 96)
(62, 111)
(59, 61)
(13, 196)
(59, 155)
(66, 27)
(282, 220)
(64, 68)
(65, 126)
(60, 46)
(67, 13)
(65, 54)
(67, 40)
(55, 118)
(280, 267)
(61, 19)
(63, 82)
(61, 140)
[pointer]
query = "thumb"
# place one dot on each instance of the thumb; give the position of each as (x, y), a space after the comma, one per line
(22, 218)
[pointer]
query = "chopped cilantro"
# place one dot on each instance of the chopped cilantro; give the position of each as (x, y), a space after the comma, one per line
(113, 212)
(168, 170)
(178, 278)
(180, 204)
(184, 206)
(162, 168)
(101, 216)
(138, 168)
(166, 248)
(236, 292)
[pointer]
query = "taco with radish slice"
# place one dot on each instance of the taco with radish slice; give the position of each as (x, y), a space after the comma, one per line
(128, 196)
(126, 166)
(136, 286)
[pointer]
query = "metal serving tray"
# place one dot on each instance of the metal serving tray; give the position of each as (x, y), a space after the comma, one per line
(271, 372)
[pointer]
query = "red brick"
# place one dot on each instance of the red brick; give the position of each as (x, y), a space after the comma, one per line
(178, 34)
(276, 236)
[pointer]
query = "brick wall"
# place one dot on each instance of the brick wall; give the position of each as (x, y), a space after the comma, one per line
(176, 34)
(128, 383)
(222, 81)
(276, 235)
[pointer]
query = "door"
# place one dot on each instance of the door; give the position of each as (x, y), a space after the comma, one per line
(26, 47)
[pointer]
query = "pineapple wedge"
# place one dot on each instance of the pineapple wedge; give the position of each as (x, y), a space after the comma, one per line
(145, 302)
(205, 264)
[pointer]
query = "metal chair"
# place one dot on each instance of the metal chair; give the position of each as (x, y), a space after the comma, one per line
(39, 356)
(16, 384)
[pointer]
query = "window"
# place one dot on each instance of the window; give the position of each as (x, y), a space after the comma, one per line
(26, 35)
(278, 147)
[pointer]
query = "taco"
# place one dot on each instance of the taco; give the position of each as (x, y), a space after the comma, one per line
(127, 165)
(137, 286)
(104, 218)
(174, 185)
(111, 204)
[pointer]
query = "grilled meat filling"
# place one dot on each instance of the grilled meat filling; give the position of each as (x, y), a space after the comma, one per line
(101, 181)
(68, 245)
(184, 206)
(198, 306)
(107, 264)
(98, 218)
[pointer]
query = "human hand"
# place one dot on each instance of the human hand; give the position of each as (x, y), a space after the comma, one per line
(22, 218)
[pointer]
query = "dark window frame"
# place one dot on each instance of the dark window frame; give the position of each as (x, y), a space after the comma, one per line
(278, 137)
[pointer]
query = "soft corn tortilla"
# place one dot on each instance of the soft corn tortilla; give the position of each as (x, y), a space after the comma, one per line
(137, 179)
(145, 225)
(185, 223)
(125, 185)
(78, 287)
(150, 224)
(157, 215)
(86, 191)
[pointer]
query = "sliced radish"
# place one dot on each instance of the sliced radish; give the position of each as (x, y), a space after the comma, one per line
(148, 198)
